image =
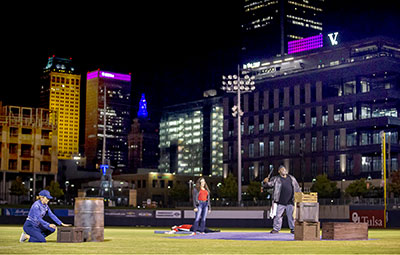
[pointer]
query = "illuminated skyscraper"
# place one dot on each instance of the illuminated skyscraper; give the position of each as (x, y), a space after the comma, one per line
(268, 25)
(142, 113)
(60, 92)
(118, 89)
(191, 138)
(143, 140)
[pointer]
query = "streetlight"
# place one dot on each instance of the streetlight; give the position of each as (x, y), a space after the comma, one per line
(190, 190)
(66, 197)
(236, 84)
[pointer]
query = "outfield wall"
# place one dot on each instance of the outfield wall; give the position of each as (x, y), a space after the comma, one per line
(219, 217)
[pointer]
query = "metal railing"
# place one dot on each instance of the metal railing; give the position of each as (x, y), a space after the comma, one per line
(392, 203)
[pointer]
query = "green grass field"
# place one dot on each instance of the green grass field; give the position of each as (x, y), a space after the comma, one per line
(131, 240)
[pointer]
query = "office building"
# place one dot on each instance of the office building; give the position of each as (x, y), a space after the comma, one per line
(143, 140)
(116, 108)
(268, 25)
(60, 92)
(191, 138)
(320, 112)
(28, 149)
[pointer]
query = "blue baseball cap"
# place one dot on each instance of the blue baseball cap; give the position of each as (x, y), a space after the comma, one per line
(45, 193)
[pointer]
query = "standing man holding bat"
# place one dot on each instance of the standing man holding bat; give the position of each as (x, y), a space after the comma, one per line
(284, 186)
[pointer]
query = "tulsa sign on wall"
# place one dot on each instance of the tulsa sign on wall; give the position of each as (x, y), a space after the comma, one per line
(374, 216)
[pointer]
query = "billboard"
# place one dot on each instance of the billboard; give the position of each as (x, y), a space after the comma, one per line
(305, 44)
(374, 217)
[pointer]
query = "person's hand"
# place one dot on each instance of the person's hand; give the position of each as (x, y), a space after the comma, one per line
(66, 225)
(266, 180)
(209, 211)
(52, 226)
(195, 210)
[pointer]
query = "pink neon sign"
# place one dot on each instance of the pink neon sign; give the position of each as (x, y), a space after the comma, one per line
(108, 75)
(304, 44)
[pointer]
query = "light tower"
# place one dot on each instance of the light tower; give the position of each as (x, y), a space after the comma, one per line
(237, 84)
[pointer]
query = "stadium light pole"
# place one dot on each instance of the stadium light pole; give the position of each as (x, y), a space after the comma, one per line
(237, 84)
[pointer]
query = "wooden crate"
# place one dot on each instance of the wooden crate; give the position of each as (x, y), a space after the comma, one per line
(69, 234)
(307, 212)
(306, 231)
(344, 231)
(300, 197)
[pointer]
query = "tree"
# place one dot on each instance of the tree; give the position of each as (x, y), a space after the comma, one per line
(18, 188)
(254, 190)
(357, 188)
(374, 192)
(229, 188)
(179, 193)
(394, 185)
(55, 190)
(325, 187)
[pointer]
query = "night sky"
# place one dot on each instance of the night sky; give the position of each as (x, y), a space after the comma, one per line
(173, 50)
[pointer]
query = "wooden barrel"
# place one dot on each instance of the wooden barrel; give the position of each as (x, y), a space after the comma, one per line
(89, 215)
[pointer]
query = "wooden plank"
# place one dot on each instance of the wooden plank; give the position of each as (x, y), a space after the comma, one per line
(344, 231)
(311, 197)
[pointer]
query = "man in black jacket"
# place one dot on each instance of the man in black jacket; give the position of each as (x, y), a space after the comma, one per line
(284, 186)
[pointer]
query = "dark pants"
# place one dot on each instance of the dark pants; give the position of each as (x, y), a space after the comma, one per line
(37, 233)
(201, 216)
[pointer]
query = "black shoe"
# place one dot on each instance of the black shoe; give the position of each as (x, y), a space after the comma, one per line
(292, 231)
(274, 231)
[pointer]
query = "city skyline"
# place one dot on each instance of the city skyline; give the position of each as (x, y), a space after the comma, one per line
(173, 55)
(316, 112)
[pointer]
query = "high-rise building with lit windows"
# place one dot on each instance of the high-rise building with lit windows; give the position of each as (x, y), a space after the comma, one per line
(320, 112)
(117, 88)
(191, 141)
(60, 92)
(28, 149)
(268, 25)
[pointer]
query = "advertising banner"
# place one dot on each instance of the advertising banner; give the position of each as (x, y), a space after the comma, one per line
(168, 214)
(16, 211)
(228, 214)
(63, 212)
(128, 213)
(374, 218)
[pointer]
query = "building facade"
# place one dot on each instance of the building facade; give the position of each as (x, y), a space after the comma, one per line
(268, 25)
(320, 112)
(60, 92)
(116, 106)
(157, 186)
(191, 138)
(143, 141)
(28, 149)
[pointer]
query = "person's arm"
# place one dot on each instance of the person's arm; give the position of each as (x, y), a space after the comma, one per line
(268, 183)
(209, 202)
(195, 198)
(296, 185)
(53, 217)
